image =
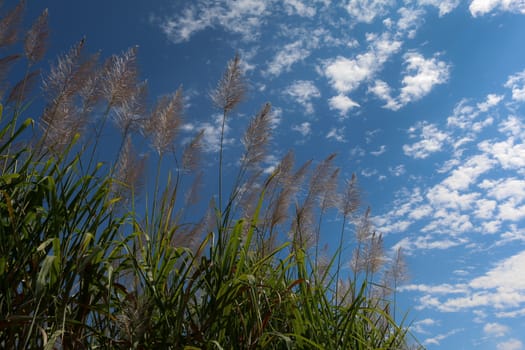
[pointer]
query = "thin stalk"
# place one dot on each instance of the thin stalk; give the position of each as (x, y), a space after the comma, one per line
(220, 221)
(339, 253)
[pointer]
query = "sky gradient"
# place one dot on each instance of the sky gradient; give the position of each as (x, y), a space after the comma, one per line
(422, 99)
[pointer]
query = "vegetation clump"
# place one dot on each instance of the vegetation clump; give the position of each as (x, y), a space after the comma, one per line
(88, 262)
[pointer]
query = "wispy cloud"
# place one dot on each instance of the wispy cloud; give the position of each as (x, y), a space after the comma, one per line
(304, 128)
(483, 7)
(495, 329)
(516, 83)
(337, 134)
(342, 103)
(501, 288)
(436, 340)
(511, 344)
(380, 151)
(303, 91)
(298, 7)
(431, 140)
(422, 75)
(287, 56)
(444, 6)
(367, 10)
(243, 17)
(346, 74)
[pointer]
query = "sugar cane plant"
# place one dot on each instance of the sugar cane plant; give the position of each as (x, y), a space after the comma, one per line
(88, 261)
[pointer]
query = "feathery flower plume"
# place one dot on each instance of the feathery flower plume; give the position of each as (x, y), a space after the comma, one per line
(61, 119)
(129, 172)
(304, 221)
(90, 93)
(369, 257)
(329, 198)
(36, 39)
(67, 76)
(191, 153)
(256, 138)
(397, 271)
(120, 77)
(9, 25)
(22, 89)
(192, 196)
(60, 126)
(129, 116)
(321, 176)
(165, 120)
(290, 185)
(350, 200)
(5, 65)
(375, 257)
(231, 88)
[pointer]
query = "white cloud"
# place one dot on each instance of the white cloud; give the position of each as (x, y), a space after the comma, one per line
(287, 56)
(369, 172)
(346, 74)
(516, 83)
(510, 155)
(336, 134)
(419, 326)
(342, 103)
(242, 17)
(397, 170)
(380, 151)
(482, 7)
(432, 140)
(441, 196)
(304, 128)
(409, 20)
(357, 152)
(384, 92)
(495, 329)
(444, 6)
(366, 10)
(502, 288)
(298, 7)
(512, 344)
(277, 114)
(303, 91)
(485, 208)
(505, 188)
(427, 242)
(463, 176)
(491, 101)
(513, 126)
(438, 338)
(422, 75)
(465, 116)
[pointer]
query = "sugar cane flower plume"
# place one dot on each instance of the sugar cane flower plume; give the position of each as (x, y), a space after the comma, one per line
(36, 39)
(9, 25)
(120, 77)
(165, 121)
(63, 86)
(231, 89)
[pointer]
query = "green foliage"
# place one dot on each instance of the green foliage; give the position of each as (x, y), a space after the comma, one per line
(85, 264)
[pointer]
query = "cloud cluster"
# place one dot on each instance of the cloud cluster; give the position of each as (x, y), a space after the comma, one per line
(303, 91)
(483, 7)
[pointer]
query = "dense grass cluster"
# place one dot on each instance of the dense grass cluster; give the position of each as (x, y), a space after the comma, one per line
(85, 262)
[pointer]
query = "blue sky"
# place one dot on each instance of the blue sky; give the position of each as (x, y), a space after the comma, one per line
(423, 99)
